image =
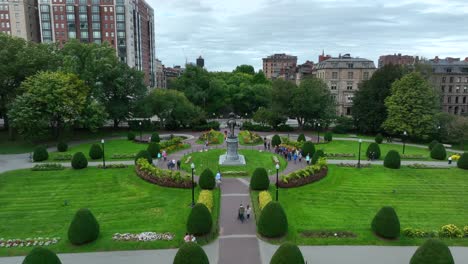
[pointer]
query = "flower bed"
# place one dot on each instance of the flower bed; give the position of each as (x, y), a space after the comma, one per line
(187, 161)
(167, 178)
(275, 159)
(264, 198)
(250, 137)
(424, 166)
(354, 165)
(446, 231)
(48, 167)
(28, 242)
(418, 233)
(61, 157)
(340, 155)
(206, 197)
(328, 234)
(113, 166)
(145, 236)
(212, 136)
(305, 176)
(287, 143)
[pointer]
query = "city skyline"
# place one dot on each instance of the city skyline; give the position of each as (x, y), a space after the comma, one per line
(244, 32)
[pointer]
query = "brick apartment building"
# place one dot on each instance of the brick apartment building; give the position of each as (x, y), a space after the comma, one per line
(280, 66)
(397, 59)
(20, 19)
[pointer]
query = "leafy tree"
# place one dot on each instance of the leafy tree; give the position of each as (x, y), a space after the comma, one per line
(411, 107)
(260, 78)
(266, 116)
(458, 130)
(275, 140)
(153, 149)
(247, 69)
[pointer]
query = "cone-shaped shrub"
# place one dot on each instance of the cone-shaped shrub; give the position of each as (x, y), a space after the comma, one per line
(301, 138)
(386, 223)
(40, 154)
(62, 146)
(379, 139)
(275, 140)
(273, 221)
(373, 149)
(84, 228)
(153, 149)
(432, 252)
(191, 253)
(144, 154)
(438, 152)
(259, 180)
(131, 136)
(207, 180)
(95, 152)
(41, 256)
(79, 161)
(392, 160)
(287, 253)
(308, 148)
(462, 163)
(432, 144)
(319, 153)
(199, 221)
(328, 136)
(155, 137)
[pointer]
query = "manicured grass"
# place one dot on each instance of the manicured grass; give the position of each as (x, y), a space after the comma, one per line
(33, 205)
(348, 199)
(210, 159)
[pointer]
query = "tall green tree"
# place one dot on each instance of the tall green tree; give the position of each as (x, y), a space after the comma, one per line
(247, 69)
(369, 110)
(412, 107)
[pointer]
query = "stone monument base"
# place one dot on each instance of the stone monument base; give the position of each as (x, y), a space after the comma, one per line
(228, 162)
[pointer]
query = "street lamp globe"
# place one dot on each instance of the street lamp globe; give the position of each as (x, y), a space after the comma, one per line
(192, 166)
(360, 140)
(277, 166)
(102, 141)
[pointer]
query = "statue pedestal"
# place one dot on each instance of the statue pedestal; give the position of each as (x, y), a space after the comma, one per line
(232, 158)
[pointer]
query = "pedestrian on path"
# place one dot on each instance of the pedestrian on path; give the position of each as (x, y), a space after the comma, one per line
(248, 211)
(187, 238)
(241, 213)
(178, 164)
(300, 156)
(295, 158)
(450, 160)
(269, 145)
(164, 154)
(218, 179)
(308, 159)
(265, 144)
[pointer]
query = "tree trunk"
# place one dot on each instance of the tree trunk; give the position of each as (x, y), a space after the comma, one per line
(300, 121)
(116, 123)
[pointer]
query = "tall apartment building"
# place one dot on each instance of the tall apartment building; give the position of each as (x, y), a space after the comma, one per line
(19, 18)
(127, 25)
(450, 79)
(343, 75)
(397, 59)
(160, 76)
(279, 65)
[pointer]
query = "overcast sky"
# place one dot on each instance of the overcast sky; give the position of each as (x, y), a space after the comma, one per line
(228, 33)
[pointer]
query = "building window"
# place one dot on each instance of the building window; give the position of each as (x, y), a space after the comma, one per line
(449, 70)
(44, 8)
(334, 75)
(121, 34)
(71, 34)
(465, 89)
(95, 9)
(111, 18)
(366, 75)
(444, 79)
(350, 75)
(451, 80)
(84, 34)
(457, 89)
(96, 18)
(61, 8)
(96, 25)
(120, 9)
(464, 99)
(456, 99)
(120, 17)
(442, 88)
(107, 34)
(83, 2)
(56, 17)
(112, 34)
(57, 25)
(449, 99)
(459, 79)
(349, 86)
(96, 34)
(83, 9)
(350, 65)
(83, 17)
(348, 110)
(96, 2)
(105, 9)
(45, 17)
(70, 8)
(62, 25)
(111, 9)
(450, 88)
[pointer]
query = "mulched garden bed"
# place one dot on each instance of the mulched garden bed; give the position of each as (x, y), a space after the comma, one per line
(328, 234)
(303, 181)
(162, 181)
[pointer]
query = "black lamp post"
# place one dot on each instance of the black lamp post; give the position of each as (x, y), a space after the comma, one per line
(193, 185)
(141, 131)
(277, 171)
(359, 155)
(103, 154)
(404, 141)
(318, 132)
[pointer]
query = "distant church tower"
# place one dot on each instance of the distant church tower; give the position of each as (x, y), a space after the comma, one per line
(200, 62)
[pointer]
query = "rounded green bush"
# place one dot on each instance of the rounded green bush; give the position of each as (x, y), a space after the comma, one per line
(95, 152)
(328, 136)
(392, 160)
(433, 251)
(155, 137)
(40, 154)
(144, 154)
(462, 163)
(62, 146)
(207, 180)
(318, 154)
(287, 253)
(379, 138)
(79, 161)
(191, 253)
(308, 148)
(373, 148)
(259, 180)
(154, 149)
(438, 152)
(130, 136)
(41, 256)
(386, 223)
(199, 221)
(432, 144)
(84, 228)
(275, 141)
(273, 221)
(301, 138)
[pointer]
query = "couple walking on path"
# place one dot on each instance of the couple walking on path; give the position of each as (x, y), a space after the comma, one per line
(244, 213)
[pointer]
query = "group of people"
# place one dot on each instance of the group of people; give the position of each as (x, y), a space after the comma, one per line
(190, 238)
(172, 164)
(243, 213)
(291, 154)
(266, 144)
(372, 156)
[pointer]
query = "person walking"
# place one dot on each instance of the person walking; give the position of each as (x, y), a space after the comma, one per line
(241, 213)
(308, 159)
(299, 155)
(178, 164)
(450, 160)
(218, 179)
(164, 154)
(295, 157)
(269, 145)
(248, 210)
(264, 144)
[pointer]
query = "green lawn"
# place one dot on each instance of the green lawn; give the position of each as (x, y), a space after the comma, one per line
(347, 200)
(210, 159)
(33, 205)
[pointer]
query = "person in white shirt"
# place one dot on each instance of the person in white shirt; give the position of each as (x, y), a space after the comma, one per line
(248, 210)
(218, 179)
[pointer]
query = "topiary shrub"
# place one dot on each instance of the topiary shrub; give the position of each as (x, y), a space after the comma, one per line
(62, 146)
(191, 253)
(273, 221)
(79, 161)
(301, 138)
(40, 154)
(144, 154)
(392, 160)
(95, 152)
(438, 152)
(328, 136)
(373, 151)
(287, 253)
(84, 228)
(462, 162)
(207, 180)
(155, 137)
(130, 136)
(154, 149)
(259, 180)
(432, 144)
(308, 148)
(386, 223)
(318, 154)
(275, 140)
(379, 138)
(433, 251)
(41, 256)
(199, 221)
